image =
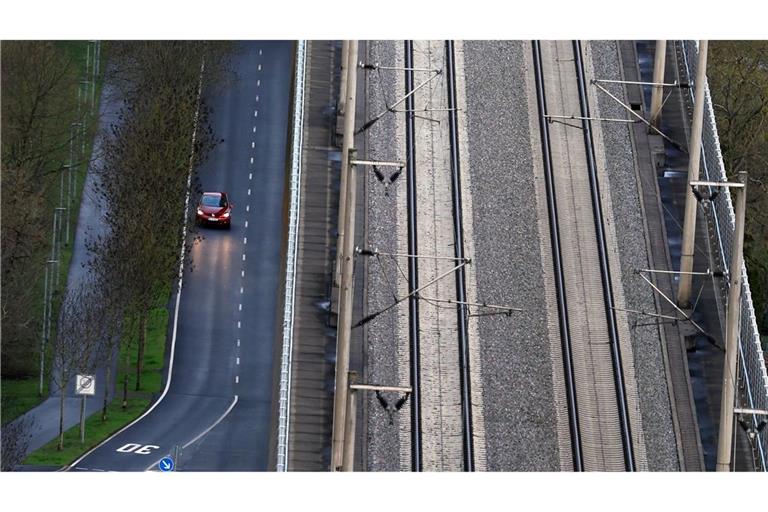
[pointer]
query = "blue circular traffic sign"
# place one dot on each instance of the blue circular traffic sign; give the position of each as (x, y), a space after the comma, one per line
(166, 464)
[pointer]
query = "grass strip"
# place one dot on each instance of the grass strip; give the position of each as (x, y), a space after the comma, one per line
(96, 431)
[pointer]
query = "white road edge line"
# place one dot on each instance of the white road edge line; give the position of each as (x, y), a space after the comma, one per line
(181, 278)
(201, 434)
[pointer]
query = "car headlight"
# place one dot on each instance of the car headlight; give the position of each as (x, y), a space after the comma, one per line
(226, 215)
(199, 211)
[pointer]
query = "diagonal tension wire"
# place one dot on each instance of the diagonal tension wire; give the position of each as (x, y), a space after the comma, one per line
(392, 288)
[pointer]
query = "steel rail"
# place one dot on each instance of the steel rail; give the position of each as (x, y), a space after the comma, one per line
(413, 265)
(610, 313)
(557, 259)
(461, 290)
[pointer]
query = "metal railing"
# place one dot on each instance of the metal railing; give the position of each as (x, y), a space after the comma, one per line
(722, 220)
(290, 270)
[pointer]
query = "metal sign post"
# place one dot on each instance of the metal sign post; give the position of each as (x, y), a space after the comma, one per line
(84, 385)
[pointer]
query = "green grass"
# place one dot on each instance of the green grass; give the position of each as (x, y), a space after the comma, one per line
(21, 395)
(151, 376)
(95, 432)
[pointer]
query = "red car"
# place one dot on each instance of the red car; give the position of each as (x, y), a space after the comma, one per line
(214, 208)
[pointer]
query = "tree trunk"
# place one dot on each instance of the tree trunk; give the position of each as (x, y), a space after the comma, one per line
(61, 418)
(106, 391)
(125, 377)
(142, 346)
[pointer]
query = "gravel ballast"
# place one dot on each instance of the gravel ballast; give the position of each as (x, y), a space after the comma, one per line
(523, 409)
(629, 228)
(520, 419)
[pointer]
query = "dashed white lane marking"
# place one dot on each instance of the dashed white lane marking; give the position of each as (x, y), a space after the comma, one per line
(238, 360)
(250, 174)
(254, 129)
(238, 324)
(243, 257)
(241, 289)
(259, 67)
(245, 239)
(239, 307)
(238, 342)
(247, 207)
(256, 113)
(253, 144)
(242, 273)
(246, 224)
(237, 379)
(259, 52)
(251, 159)
(249, 191)
(257, 97)
(258, 83)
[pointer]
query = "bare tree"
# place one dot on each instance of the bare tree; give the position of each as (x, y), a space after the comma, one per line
(39, 80)
(15, 440)
(76, 347)
(738, 76)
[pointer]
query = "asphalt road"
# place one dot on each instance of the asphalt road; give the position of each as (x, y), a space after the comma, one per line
(218, 406)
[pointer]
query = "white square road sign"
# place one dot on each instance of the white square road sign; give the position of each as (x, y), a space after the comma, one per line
(85, 385)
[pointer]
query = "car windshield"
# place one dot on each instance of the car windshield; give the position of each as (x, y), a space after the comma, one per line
(214, 200)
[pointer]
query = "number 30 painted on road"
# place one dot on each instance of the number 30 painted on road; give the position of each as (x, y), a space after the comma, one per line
(137, 448)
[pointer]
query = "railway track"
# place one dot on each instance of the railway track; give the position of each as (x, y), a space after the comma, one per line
(413, 264)
(438, 401)
(600, 430)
